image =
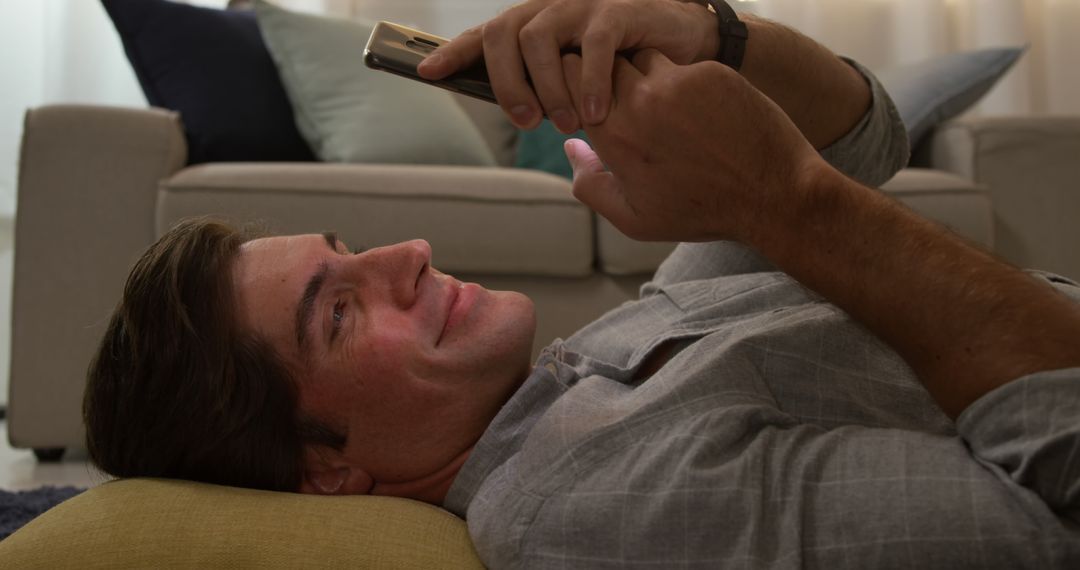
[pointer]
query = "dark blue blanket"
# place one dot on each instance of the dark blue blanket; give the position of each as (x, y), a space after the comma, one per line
(20, 507)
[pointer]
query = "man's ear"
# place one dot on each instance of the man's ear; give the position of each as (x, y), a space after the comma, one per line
(327, 476)
(336, 481)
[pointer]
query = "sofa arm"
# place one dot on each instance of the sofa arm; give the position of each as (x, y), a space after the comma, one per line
(1031, 168)
(88, 181)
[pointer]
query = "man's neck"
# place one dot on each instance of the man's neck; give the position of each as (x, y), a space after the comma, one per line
(430, 489)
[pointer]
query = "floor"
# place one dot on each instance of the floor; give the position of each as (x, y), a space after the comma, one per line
(20, 470)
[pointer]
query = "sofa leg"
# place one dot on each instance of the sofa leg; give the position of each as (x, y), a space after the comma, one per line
(48, 454)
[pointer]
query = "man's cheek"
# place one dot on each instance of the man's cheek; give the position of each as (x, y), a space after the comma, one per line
(388, 359)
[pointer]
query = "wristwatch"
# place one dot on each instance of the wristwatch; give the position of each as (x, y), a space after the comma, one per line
(733, 35)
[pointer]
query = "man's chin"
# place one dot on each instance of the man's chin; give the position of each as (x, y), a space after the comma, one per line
(516, 328)
(526, 317)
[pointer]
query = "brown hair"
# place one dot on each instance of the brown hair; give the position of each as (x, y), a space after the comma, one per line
(178, 390)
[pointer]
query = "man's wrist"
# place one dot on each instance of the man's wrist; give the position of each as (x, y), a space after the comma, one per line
(812, 196)
(705, 23)
(733, 34)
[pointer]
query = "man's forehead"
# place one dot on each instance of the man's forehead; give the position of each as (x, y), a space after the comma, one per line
(270, 274)
(271, 242)
(288, 242)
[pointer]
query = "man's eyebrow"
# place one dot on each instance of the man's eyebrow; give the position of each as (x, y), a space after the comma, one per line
(306, 308)
(331, 240)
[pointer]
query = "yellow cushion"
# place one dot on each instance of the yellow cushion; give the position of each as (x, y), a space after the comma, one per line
(161, 523)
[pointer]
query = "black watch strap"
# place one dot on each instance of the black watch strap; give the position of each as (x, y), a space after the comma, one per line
(733, 35)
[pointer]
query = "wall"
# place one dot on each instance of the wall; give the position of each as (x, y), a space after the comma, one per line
(20, 27)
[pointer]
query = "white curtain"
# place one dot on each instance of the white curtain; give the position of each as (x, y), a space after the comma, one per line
(886, 32)
(877, 32)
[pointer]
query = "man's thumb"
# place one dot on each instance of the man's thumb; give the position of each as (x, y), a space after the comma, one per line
(597, 188)
(581, 156)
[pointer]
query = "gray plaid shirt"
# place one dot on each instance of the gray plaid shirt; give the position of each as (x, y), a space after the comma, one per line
(780, 434)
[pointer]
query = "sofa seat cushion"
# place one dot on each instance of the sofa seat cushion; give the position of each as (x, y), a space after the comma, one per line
(162, 523)
(620, 255)
(499, 221)
(956, 202)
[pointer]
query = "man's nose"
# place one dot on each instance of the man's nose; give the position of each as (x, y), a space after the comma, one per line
(397, 269)
(418, 249)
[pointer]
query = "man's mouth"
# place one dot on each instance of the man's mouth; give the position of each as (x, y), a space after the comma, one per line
(460, 299)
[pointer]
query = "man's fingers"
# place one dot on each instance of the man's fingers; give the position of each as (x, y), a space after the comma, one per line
(650, 60)
(626, 78)
(542, 41)
(543, 58)
(507, 70)
(460, 53)
(572, 67)
(598, 47)
(502, 55)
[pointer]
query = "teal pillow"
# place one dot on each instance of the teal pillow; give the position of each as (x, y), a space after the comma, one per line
(349, 113)
(931, 92)
(542, 149)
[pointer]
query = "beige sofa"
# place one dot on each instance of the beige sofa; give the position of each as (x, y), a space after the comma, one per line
(98, 184)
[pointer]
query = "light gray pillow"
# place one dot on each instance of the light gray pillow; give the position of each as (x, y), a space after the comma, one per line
(350, 113)
(933, 91)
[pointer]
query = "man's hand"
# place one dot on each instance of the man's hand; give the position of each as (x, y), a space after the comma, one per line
(533, 35)
(696, 153)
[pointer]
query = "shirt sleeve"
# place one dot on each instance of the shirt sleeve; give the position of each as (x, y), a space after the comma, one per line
(1029, 431)
(877, 147)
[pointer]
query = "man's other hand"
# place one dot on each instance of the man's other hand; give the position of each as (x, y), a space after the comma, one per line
(695, 152)
(532, 36)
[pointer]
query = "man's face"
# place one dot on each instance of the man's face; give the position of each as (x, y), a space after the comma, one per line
(411, 362)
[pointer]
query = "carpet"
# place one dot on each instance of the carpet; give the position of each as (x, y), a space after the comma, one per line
(20, 507)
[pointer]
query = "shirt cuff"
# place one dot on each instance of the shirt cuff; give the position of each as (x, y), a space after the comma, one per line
(877, 147)
(1030, 428)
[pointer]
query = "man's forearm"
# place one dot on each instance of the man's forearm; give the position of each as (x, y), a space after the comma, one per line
(964, 321)
(824, 96)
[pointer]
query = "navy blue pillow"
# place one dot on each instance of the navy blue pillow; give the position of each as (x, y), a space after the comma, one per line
(214, 69)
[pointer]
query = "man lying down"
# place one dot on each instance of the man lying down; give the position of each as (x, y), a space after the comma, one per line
(820, 379)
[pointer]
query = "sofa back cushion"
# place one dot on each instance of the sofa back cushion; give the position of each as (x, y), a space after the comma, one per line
(501, 135)
(350, 113)
(492, 221)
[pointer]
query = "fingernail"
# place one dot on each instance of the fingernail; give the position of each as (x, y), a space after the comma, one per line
(571, 152)
(592, 109)
(564, 121)
(522, 115)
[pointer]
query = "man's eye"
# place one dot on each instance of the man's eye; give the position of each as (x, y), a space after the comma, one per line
(339, 314)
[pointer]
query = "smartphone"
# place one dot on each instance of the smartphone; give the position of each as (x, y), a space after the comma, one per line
(398, 50)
